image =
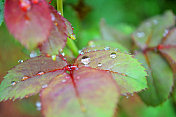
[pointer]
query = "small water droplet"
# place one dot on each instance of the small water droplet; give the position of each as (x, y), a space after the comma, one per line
(38, 105)
(20, 61)
(24, 78)
(140, 34)
(40, 73)
(52, 17)
(116, 49)
(44, 86)
(64, 80)
(85, 60)
(25, 5)
(82, 53)
(33, 54)
(59, 12)
(107, 48)
(165, 32)
(99, 64)
(63, 54)
(13, 83)
(113, 55)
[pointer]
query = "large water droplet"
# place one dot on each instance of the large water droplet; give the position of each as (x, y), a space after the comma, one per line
(13, 83)
(85, 60)
(113, 55)
(44, 86)
(107, 48)
(25, 5)
(33, 54)
(140, 34)
(38, 105)
(99, 64)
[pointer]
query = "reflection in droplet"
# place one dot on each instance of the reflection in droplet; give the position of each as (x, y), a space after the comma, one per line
(99, 64)
(13, 83)
(113, 55)
(85, 60)
(140, 34)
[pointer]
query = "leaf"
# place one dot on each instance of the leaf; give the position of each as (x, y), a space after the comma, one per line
(28, 21)
(92, 94)
(1, 11)
(126, 70)
(160, 79)
(168, 48)
(101, 45)
(151, 31)
(110, 34)
(57, 38)
(28, 78)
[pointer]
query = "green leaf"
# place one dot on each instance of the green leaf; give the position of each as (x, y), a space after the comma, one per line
(93, 93)
(160, 78)
(126, 70)
(151, 31)
(29, 77)
(1, 11)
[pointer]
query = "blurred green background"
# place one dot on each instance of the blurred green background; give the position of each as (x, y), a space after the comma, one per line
(85, 16)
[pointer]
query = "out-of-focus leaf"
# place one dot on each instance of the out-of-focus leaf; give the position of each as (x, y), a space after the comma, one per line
(58, 35)
(102, 44)
(151, 32)
(110, 34)
(29, 77)
(92, 94)
(28, 21)
(126, 70)
(160, 78)
(168, 48)
(1, 11)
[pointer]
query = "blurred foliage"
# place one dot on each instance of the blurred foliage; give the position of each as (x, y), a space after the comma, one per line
(85, 16)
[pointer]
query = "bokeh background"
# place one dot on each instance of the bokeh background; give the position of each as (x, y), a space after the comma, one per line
(85, 16)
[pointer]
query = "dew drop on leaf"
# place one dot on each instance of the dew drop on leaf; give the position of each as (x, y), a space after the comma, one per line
(99, 64)
(33, 54)
(25, 5)
(107, 48)
(113, 55)
(52, 17)
(116, 49)
(38, 105)
(140, 34)
(24, 78)
(63, 54)
(165, 32)
(44, 86)
(20, 61)
(13, 83)
(85, 60)
(40, 73)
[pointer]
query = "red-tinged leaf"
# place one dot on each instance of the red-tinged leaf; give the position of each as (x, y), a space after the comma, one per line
(58, 35)
(29, 21)
(159, 79)
(127, 71)
(29, 77)
(92, 94)
(168, 48)
(151, 32)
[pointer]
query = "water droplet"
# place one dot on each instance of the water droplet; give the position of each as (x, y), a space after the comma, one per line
(25, 5)
(99, 64)
(40, 73)
(140, 34)
(53, 57)
(63, 54)
(113, 55)
(116, 49)
(13, 83)
(35, 1)
(38, 105)
(33, 54)
(82, 53)
(24, 78)
(85, 60)
(107, 48)
(20, 61)
(52, 17)
(165, 32)
(64, 80)
(44, 86)
(59, 12)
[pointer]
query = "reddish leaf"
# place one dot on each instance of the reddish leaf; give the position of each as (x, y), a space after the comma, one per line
(127, 71)
(58, 35)
(92, 94)
(29, 77)
(28, 20)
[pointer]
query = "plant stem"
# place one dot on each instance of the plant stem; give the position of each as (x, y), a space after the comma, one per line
(70, 43)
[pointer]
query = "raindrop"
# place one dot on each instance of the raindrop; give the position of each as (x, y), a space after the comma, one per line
(20, 61)
(85, 60)
(40, 73)
(24, 78)
(25, 5)
(13, 83)
(64, 80)
(38, 105)
(140, 34)
(113, 55)
(99, 64)
(44, 86)
(52, 17)
(33, 54)
(107, 48)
